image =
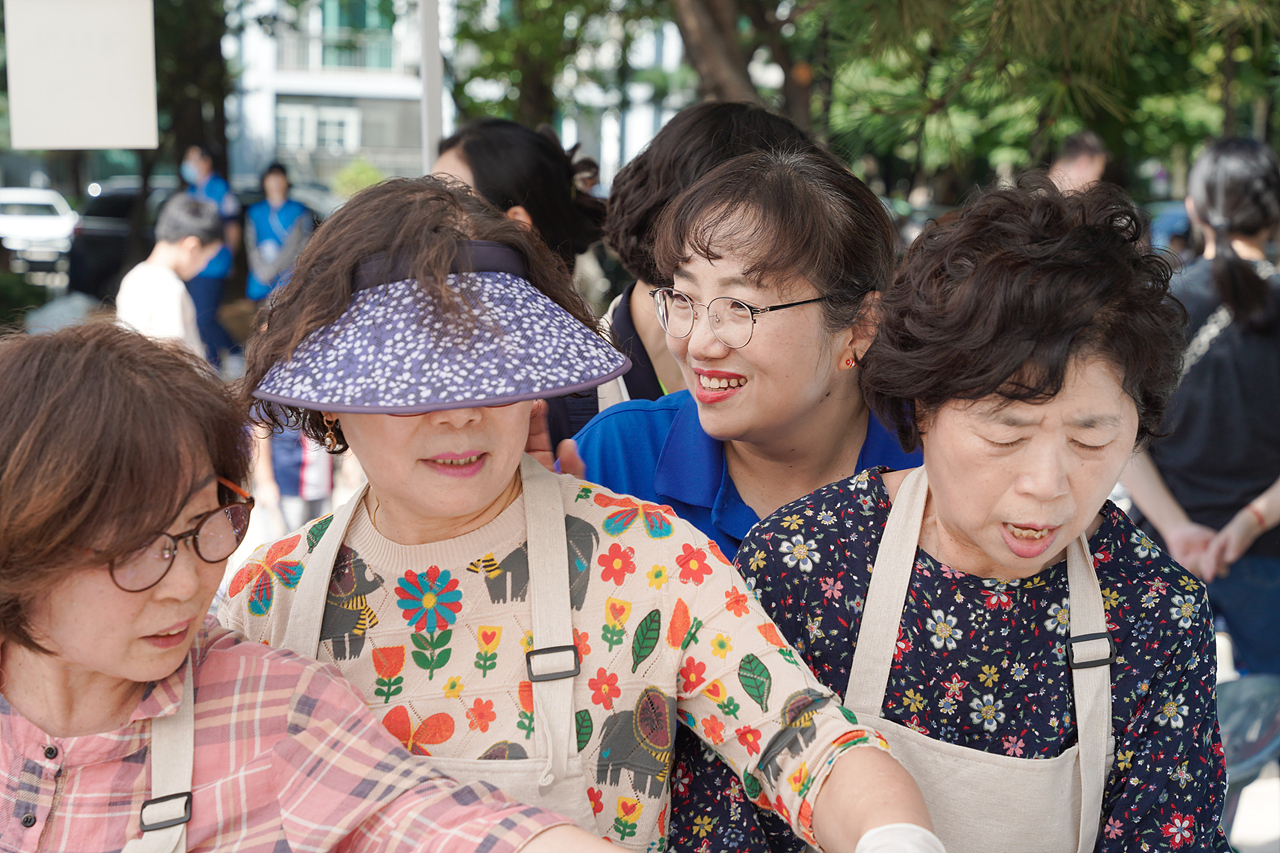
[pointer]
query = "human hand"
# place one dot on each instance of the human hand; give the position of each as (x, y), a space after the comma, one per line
(565, 459)
(1230, 543)
(1187, 543)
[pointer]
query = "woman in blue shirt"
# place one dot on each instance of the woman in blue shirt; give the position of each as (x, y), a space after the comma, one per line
(775, 260)
(276, 230)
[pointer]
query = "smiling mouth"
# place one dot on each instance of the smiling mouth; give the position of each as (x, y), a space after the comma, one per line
(469, 460)
(1028, 534)
(712, 383)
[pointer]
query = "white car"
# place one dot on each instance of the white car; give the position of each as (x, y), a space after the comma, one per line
(35, 226)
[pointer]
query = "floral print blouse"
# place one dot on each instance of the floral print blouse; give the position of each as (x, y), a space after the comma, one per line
(434, 636)
(980, 663)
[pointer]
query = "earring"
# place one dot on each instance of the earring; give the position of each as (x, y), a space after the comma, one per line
(848, 362)
(330, 440)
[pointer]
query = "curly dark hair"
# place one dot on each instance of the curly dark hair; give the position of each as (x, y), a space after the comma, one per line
(420, 222)
(694, 142)
(1001, 296)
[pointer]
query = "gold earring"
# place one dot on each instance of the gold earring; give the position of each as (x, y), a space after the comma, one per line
(330, 440)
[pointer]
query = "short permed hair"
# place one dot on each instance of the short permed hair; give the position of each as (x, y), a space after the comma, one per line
(186, 216)
(104, 436)
(786, 215)
(695, 141)
(1000, 297)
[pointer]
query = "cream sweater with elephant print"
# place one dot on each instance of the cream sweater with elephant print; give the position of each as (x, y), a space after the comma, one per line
(434, 636)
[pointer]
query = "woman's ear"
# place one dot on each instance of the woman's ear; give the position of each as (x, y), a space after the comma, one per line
(856, 339)
(519, 214)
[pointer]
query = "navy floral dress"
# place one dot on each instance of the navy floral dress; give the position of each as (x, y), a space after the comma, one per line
(980, 663)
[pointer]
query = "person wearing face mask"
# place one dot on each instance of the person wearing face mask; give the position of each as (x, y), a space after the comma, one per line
(276, 229)
(533, 630)
(207, 284)
(1045, 671)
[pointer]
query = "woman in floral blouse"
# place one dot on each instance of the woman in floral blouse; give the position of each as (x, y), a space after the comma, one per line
(535, 631)
(1047, 696)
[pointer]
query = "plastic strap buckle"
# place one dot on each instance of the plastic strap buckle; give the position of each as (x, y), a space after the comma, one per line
(553, 676)
(165, 824)
(1084, 638)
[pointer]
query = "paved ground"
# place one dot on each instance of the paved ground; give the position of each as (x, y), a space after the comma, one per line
(1257, 826)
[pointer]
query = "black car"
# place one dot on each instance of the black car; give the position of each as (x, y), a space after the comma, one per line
(100, 240)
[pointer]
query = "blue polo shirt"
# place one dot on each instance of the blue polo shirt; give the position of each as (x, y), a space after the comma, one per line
(656, 450)
(215, 189)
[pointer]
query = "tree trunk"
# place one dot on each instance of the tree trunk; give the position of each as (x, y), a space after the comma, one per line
(797, 79)
(713, 49)
(1229, 84)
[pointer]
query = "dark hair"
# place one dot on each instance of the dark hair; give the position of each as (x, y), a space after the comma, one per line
(513, 165)
(186, 216)
(205, 152)
(1001, 296)
(787, 214)
(1235, 187)
(104, 436)
(695, 141)
(274, 168)
(420, 221)
(1086, 143)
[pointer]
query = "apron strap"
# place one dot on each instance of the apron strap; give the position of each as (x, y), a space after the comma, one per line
(1090, 649)
(1090, 653)
(163, 818)
(878, 632)
(553, 661)
(306, 616)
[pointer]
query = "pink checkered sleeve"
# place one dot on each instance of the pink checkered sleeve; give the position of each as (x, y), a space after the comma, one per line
(287, 757)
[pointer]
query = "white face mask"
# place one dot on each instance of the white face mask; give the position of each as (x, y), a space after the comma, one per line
(188, 171)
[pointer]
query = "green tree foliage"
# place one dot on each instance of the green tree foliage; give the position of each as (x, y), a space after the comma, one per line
(971, 86)
(513, 62)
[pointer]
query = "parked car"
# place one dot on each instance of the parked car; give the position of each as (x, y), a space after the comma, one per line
(35, 226)
(100, 240)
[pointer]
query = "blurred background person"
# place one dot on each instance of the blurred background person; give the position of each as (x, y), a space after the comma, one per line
(276, 229)
(1208, 489)
(1080, 162)
(152, 297)
(207, 285)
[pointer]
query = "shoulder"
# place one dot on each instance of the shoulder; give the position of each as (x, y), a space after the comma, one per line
(631, 415)
(633, 522)
(1145, 591)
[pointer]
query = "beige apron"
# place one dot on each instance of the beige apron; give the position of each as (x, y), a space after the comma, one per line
(164, 817)
(983, 802)
(556, 782)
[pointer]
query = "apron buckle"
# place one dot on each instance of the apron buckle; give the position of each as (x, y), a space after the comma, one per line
(1074, 663)
(553, 676)
(164, 824)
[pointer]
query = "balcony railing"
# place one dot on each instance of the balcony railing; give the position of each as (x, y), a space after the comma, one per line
(374, 51)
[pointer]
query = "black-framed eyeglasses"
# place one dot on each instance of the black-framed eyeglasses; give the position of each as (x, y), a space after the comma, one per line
(732, 320)
(215, 537)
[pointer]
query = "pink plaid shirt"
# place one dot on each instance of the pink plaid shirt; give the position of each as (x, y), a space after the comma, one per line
(287, 757)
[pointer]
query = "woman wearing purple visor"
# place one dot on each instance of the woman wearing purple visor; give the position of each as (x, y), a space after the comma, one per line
(529, 629)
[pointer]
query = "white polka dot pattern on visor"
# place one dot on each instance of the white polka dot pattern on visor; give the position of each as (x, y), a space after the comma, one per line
(397, 349)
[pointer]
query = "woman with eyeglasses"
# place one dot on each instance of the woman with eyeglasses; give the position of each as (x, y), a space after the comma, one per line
(532, 630)
(775, 261)
(129, 721)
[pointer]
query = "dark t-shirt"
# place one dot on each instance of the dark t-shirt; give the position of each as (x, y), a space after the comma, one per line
(1223, 446)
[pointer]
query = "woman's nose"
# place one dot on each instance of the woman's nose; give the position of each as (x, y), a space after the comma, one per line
(703, 342)
(1044, 475)
(455, 417)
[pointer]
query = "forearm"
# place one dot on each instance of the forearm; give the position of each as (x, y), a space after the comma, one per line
(1267, 507)
(565, 838)
(866, 788)
(1150, 494)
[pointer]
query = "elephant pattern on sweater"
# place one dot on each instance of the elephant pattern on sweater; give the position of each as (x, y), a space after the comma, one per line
(641, 741)
(347, 614)
(508, 579)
